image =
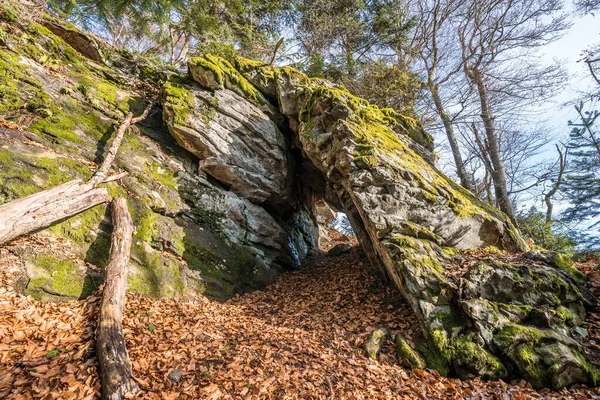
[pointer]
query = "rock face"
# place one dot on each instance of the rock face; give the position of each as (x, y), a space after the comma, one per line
(236, 142)
(217, 226)
(500, 319)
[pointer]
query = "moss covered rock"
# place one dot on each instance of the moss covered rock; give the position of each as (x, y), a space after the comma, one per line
(192, 233)
(410, 215)
(375, 341)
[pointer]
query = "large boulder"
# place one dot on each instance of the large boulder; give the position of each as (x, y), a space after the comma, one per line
(237, 143)
(194, 234)
(410, 218)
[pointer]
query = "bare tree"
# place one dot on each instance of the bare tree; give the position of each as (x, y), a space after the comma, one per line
(497, 40)
(548, 197)
(434, 48)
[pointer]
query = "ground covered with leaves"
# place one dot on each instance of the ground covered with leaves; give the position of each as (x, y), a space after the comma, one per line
(299, 339)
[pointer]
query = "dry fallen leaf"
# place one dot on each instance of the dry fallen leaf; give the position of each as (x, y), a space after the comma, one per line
(298, 339)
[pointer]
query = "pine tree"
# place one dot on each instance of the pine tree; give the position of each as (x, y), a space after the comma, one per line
(168, 29)
(582, 184)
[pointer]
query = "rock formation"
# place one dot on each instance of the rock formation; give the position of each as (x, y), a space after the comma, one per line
(377, 166)
(224, 197)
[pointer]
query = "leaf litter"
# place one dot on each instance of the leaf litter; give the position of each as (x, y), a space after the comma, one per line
(298, 339)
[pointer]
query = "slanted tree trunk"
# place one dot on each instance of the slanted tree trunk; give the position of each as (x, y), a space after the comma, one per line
(498, 173)
(44, 208)
(458, 161)
(562, 164)
(115, 368)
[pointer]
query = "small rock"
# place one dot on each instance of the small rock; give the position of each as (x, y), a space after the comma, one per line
(339, 249)
(375, 342)
(409, 358)
(175, 375)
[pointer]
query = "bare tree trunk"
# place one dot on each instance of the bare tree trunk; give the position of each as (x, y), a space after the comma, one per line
(498, 173)
(115, 368)
(42, 209)
(458, 161)
(562, 163)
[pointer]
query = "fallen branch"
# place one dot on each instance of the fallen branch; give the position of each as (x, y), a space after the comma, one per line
(101, 174)
(42, 209)
(115, 368)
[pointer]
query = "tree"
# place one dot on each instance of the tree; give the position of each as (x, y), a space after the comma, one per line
(497, 40)
(434, 47)
(169, 29)
(582, 183)
(533, 225)
(362, 44)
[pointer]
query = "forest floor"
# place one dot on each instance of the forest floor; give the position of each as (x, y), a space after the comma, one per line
(298, 339)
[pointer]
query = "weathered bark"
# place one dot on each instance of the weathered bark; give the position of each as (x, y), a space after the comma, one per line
(115, 368)
(562, 163)
(44, 208)
(458, 161)
(101, 174)
(498, 173)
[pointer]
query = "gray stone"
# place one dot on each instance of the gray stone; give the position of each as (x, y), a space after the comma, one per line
(236, 142)
(375, 341)
(339, 249)
(175, 375)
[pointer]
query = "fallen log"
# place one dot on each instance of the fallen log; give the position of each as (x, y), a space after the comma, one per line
(42, 209)
(115, 368)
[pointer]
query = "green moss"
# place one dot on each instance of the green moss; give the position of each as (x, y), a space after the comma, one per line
(133, 144)
(437, 355)
(15, 177)
(208, 65)
(7, 159)
(39, 30)
(80, 229)
(592, 370)
(157, 276)
(145, 223)
(9, 13)
(67, 124)
(564, 314)
(506, 336)
(226, 74)
(62, 277)
(450, 251)
(245, 65)
(565, 262)
(419, 252)
(162, 175)
(179, 98)
(16, 85)
(419, 231)
(476, 359)
(101, 92)
(529, 362)
(61, 169)
(403, 241)
(521, 310)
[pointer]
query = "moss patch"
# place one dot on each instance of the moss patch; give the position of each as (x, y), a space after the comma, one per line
(59, 276)
(180, 99)
(227, 75)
